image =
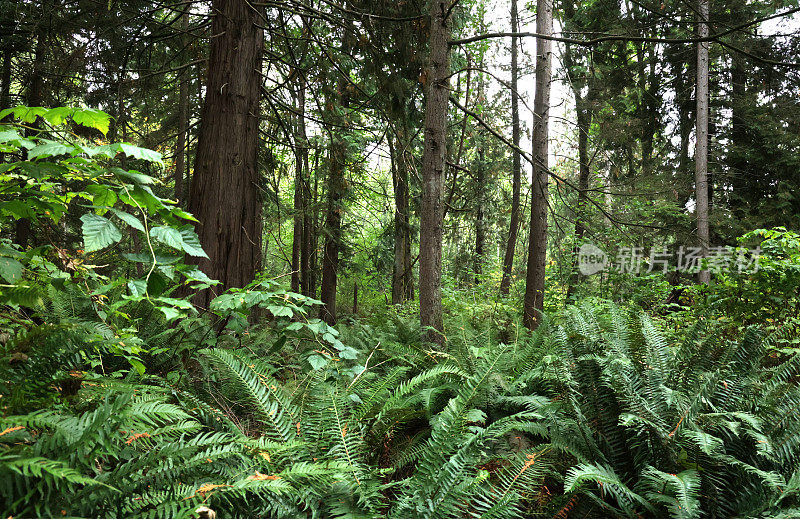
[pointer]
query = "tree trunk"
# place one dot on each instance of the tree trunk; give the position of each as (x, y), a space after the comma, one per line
(537, 246)
(516, 168)
(584, 116)
(480, 223)
(314, 225)
(5, 92)
(433, 160)
(225, 185)
(183, 122)
(333, 219)
(309, 231)
(701, 149)
(683, 99)
(738, 163)
(401, 269)
(298, 238)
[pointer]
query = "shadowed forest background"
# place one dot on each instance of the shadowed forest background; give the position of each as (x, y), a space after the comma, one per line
(441, 259)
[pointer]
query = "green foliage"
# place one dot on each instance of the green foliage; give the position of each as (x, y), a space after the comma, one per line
(59, 178)
(769, 291)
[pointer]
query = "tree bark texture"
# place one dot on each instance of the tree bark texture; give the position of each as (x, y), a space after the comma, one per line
(183, 123)
(537, 246)
(433, 161)
(701, 131)
(516, 165)
(225, 185)
(333, 218)
(402, 283)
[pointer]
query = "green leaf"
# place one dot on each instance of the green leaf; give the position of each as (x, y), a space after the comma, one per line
(129, 219)
(21, 295)
(103, 196)
(348, 353)
(178, 303)
(145, 197)
(133, 176)
(138, 287)
(26, 114)
(170, 313)
(42, 170)
(195, 274)
(180, 213)
(146, 257)
(317, 361)
(57, 116)
(9, 136)
(98, 232)
(17, 209)
(168, 236)
(92, 118)
(140, 153)
(156, 284)
(10, 269)
(137, 365)
(48, 148)
(280, 311)
(191, 243)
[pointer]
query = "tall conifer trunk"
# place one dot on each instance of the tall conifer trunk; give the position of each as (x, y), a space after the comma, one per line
(298, 238)
(537, 246)
(183, 121)
(516, 165)
(225, 185)
(402, 286)
(333, 218)
(433, 159)
(480, 216)
(701, 149)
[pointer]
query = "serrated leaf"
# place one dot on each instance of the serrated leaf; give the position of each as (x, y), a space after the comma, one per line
(170, 313)
(98, 232)
(134, 176)
(102, 197)
(145, 197)
(348, 353)
(280, 311)
(180, 213)
(92, 118)
(195, 274)
(17, 209)
(168, 236)
(26, 114)
(146, 257)
(57, 116)
(10, 135)
(191, 243)
(129, 219)
(48, 148)
(317, 361)
(41, 170)
(140, 153)
(138, 287)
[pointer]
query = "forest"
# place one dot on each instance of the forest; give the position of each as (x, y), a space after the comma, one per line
(400, 259)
